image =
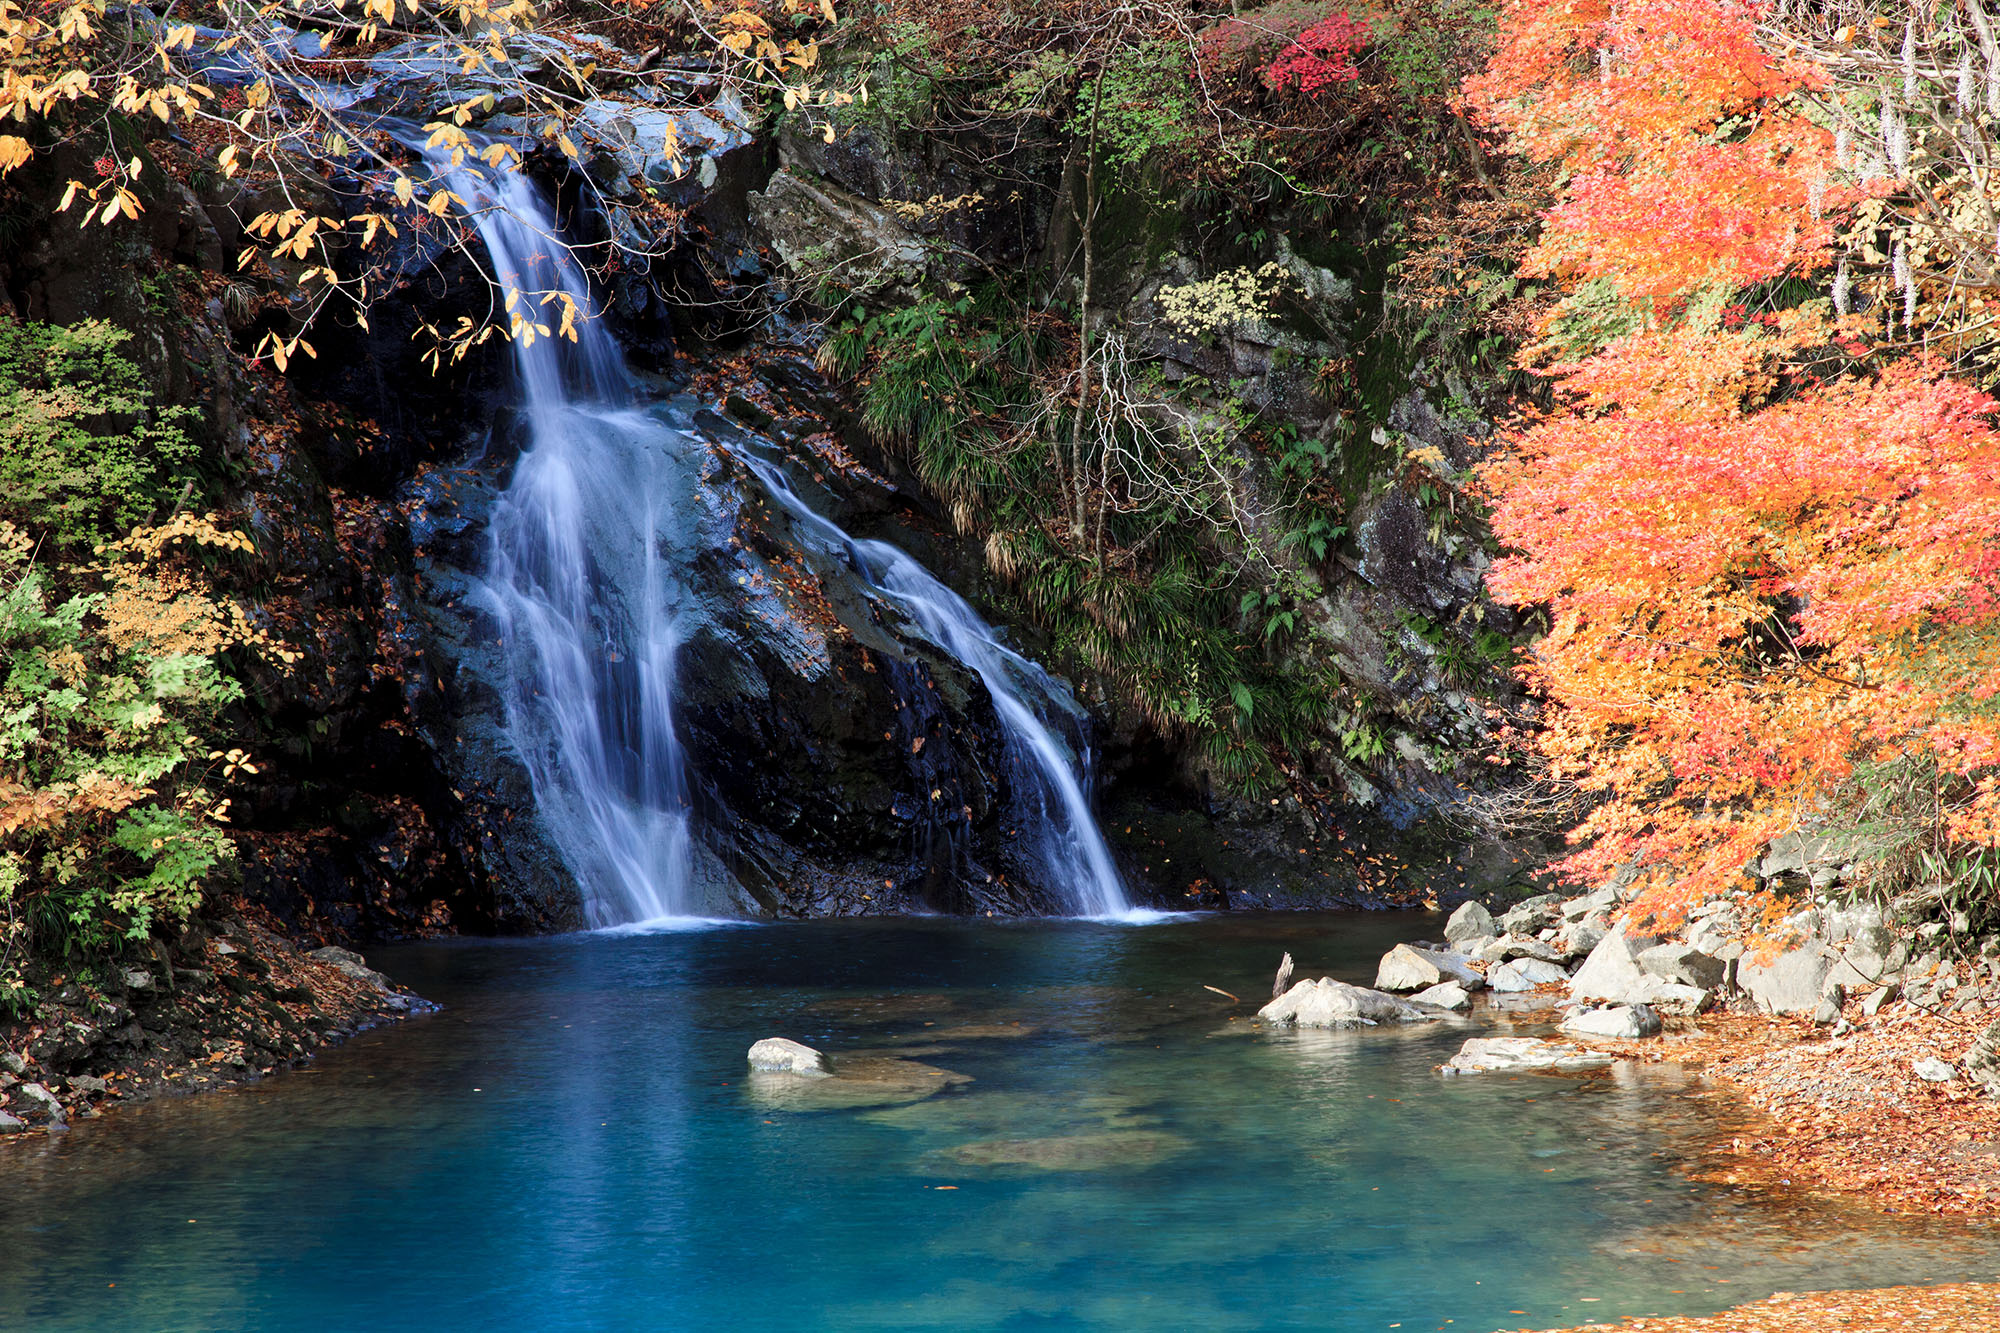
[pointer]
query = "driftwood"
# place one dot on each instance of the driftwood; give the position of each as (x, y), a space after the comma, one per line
(1284, 980)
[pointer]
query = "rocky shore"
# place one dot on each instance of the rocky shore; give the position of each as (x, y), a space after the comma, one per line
(226, 1002)
(1868, 1053)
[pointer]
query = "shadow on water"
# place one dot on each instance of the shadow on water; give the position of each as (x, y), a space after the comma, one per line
(573, 1144)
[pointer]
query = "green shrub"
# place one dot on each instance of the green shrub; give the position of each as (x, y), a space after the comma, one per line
(84, 452)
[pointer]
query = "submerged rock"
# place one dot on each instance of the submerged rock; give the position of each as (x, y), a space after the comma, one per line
(1626, 1022)
(1074, 1152)
(1407, 968)
(1327, 1003)
(860, 1082)
(1499, 1055)
(781, 1055)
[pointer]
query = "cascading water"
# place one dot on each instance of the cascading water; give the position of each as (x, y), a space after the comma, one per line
(583, 582)
(582, 594)
(1047, 791)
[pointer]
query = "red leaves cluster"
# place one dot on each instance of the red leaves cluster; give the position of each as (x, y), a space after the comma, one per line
(1322, 54)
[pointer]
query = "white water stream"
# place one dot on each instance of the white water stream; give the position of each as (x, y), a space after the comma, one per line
(584, 580)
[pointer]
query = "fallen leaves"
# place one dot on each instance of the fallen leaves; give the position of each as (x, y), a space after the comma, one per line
(1959, 1308)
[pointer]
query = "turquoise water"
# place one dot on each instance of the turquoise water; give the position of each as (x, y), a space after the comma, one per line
(572, 1144)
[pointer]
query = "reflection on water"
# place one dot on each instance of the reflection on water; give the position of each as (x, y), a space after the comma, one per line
(574, 1144)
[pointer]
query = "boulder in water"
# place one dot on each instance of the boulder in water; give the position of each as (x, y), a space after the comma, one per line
(860, 1083)
(1327, 1003)
(1512, 1055)
(1445, 995)
(1622, 1022)
(782, 1055)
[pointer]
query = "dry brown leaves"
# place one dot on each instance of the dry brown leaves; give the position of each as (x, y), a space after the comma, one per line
(1961, 1308)
(1847, 1116)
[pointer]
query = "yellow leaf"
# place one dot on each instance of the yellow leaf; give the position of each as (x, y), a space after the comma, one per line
(826, 132)
(13, 152)
(826, 9)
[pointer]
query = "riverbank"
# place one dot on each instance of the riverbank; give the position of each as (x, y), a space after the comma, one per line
(230, 1000)
(1846, 1116)
(1959, 1308)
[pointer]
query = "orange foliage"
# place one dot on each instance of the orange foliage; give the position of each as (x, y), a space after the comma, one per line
(1686, 161)
(1758, 581)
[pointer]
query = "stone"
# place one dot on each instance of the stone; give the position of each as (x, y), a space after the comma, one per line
(1470, 922)
(1531, 914)
(1445, 995)
(1074, 1152)
(1830, 1006)
(1500, 1055)
(136, 978)
(1598, 902)
(1982, 1058)
(1516, 946)
(817, 228)
(1327, 1003)
(1408, 968)
(860, 1083)
(1684, 965)
(1792, 983)
(782, 1055)
(1932, 1070)
(1879, 997)
(13, 1063)
(1534, 971)
(1579, 940)
(354, 965)
(88, 1084)
(1612, 971)
(11, 1124)
(1623, 1022)
(42, 1099)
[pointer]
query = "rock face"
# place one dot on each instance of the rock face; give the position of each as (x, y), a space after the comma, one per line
(1792, 983)
(1627, 1022)
(782, 1055)
(1327, 1003)
(1503, 1055)
(1408, 968)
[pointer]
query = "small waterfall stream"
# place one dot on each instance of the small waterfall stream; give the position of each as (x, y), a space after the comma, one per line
(583, 580)
(1046, 786)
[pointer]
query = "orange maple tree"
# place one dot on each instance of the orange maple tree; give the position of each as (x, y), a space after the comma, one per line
(1770, 550)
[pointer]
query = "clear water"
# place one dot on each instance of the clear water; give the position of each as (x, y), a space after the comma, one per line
(572, 1145)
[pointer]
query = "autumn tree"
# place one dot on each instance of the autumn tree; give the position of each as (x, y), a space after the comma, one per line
(1765, 527)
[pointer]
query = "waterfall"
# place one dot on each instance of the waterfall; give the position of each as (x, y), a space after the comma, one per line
(1048, 792)
(583, 582)
(576, 580)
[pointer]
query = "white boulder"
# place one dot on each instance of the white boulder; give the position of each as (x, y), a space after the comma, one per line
(781, 1055)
